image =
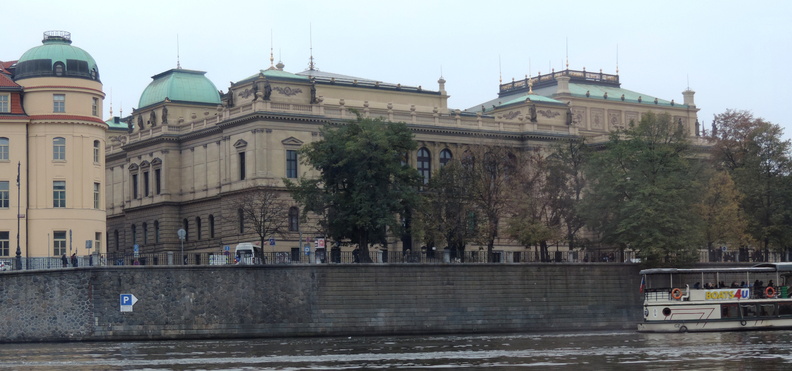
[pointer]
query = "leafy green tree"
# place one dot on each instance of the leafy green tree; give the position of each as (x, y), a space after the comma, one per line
(363, 183)
(643, 185)
(758, 158)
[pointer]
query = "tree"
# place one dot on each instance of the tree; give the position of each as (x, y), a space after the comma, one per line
(445, 209)
(263, 211)
(534, 217)
(565, 184)
(723, 219)
(757, 157)
(363, 183)
(642, 185)
(488, 171)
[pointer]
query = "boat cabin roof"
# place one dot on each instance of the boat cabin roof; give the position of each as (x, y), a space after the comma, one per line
(759, 268)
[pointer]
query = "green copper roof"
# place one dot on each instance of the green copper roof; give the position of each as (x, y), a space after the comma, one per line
(534, 98)
(614, 93)
(57, 51)
(275, 75)
(180, 85)
(115, 123)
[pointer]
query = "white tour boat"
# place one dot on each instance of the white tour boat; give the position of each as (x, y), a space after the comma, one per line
(717, 299)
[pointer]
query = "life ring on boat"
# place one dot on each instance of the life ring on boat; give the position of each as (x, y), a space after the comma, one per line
(676, 293)
(770, 292)
(743, 323)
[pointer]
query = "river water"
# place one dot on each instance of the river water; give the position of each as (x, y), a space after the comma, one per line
(567, 351)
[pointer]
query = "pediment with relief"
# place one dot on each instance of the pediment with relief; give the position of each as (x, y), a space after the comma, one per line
(240, 144)
(292, 141)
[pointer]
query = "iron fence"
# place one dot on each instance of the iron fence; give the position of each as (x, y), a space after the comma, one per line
(378, 256)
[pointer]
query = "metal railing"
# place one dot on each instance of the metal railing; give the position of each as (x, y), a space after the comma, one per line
(378, 256)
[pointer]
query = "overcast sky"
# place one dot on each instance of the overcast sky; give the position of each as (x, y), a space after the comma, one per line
(733, 54)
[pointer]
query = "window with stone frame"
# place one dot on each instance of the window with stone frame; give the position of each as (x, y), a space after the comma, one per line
(59, 103)
(4, 148)
(5, 103)
(58, 243)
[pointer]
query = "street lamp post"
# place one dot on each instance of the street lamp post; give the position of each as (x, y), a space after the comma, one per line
(182, 235)
(18, 262)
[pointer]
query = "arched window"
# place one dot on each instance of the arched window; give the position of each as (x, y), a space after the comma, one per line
(425, 164)
(241, 216)
(58, 68)
(211, 226)
(156, 231)
(59, 148)
(186, 227)
(134, 234)
(3, 149)
(445, 156)
(294, 219)
(198, 227)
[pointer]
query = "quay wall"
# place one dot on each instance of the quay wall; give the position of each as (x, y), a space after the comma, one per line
(194, 302)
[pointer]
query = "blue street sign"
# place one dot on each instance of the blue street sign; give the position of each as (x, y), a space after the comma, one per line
(226, 248)
(127, 301)
(272, 242)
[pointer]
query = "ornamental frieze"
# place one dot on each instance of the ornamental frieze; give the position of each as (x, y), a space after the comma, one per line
(548, 113)
(511, 115)
(287, 91)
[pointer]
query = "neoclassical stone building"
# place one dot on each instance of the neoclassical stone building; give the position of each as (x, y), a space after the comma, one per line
(184, 155)
(52, 152)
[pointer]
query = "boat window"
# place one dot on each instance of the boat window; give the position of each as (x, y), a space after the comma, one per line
(767, 309)
(729, 311)
(748, 310)
(785, 309)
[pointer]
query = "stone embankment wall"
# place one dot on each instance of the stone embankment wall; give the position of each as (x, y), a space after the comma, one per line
(263, 301)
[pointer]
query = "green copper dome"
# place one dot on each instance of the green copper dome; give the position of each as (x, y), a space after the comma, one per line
(179, 85)
(57, 57)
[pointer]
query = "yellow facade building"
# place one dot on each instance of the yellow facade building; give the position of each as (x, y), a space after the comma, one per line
(183, 157)
(53, 137)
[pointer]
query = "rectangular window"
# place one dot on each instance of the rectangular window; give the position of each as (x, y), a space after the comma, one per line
(59, 193)
(146, 183)
(96, 195)
(58, 103)
(96, 152)
(5, 249)
(58, 243)
(95, 107)
(241, 165)
(59, 148)
(291, 164)
(134, 186)
(3, 149)
(98, 242)
(5, 103)
(4, 195)
(157, 181)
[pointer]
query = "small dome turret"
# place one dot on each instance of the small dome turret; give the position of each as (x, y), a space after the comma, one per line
(58, 58)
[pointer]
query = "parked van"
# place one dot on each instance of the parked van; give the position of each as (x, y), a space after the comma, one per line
(248, 253)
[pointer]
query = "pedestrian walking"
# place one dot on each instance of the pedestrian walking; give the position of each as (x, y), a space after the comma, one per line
(64, 260)
(74, 260)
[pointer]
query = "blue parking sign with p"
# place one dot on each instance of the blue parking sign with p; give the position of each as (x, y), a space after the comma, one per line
(126, 299)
